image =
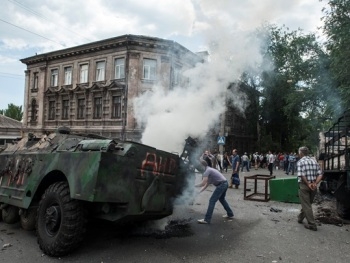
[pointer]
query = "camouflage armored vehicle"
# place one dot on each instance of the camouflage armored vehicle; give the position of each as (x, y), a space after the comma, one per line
(55, 183)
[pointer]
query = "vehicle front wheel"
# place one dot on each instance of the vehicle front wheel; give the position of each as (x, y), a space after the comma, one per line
(10, 214)
(61, 221)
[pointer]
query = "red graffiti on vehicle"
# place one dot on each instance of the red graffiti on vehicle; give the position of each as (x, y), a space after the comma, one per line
(164, 166)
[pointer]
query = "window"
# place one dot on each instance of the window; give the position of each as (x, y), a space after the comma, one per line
(33, 110)
(119, 72)
(54, 78)
(51, 110)
(81, 108)
(100, 71)
(149, 69)
(84, 73)
(68, 76)
(36, 81)
(97, 108)
(177, 72)
(65, 109)
(116, 107)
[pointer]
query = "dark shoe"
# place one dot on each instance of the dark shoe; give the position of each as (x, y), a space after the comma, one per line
(228, 217)
(236, 186)
(230, 186)
(300, 221)
(310, 227)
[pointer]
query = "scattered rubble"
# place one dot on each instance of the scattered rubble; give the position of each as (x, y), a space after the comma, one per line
(326, 210)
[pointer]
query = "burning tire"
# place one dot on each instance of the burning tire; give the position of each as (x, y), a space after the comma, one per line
(61, 221)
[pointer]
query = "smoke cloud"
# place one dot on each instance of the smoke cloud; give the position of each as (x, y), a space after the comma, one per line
(170, 116)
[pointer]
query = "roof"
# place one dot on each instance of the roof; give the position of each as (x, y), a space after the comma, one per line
(6, 122)
(112, 43)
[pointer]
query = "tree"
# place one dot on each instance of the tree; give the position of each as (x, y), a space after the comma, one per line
(337, 28)
(291, 86)
(13, 111)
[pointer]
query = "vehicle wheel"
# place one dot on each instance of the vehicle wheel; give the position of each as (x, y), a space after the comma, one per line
(28, 219)
(61, 221)
(10, 214)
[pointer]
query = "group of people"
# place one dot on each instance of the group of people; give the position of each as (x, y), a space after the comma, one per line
(308, 172)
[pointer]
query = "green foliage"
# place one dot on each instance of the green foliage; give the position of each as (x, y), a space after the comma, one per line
(292, 90)
(13, 111)
(337, 28)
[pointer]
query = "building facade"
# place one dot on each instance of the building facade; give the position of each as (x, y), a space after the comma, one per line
(89, 88)
(10, 130)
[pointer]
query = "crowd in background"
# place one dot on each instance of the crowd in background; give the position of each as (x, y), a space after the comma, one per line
(273, 161)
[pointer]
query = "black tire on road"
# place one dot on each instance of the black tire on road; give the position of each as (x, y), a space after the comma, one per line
(10, 214)
(28, 219)
(61, 221)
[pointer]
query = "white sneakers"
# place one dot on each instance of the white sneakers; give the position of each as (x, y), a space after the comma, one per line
(202, 221)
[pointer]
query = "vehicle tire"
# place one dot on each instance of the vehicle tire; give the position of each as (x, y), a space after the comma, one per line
(61, 221)
(28, 219)
(10, 214)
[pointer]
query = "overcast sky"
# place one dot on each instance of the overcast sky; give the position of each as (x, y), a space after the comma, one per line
(28, 27)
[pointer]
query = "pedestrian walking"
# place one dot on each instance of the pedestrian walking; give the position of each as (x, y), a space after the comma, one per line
(226, 161)
(245, 162)
(271, 160)
(235, 161)
(213, 176)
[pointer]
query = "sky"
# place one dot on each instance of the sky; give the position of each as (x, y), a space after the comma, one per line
(29, 27)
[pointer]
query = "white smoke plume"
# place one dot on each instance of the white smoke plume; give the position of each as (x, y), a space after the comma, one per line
(227, 28)
(170, 116)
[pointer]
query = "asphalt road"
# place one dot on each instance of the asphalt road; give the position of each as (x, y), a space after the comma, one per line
(256, 234)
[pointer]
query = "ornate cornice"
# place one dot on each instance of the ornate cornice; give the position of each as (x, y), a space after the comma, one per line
(127, 42)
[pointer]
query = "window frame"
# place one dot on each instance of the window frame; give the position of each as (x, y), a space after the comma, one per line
(35, 81)
(100, 71)
(149, 69)
(119, 69)
(52, 110)
(84, 73)
(65, 109)
(80, 109)
(116, 112)
(68, 77)
(54, 77)
(97, 108)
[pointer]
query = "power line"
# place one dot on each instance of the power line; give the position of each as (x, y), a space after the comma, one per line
(10, 75)
(43, 17)
(5, 73)
(31, 32)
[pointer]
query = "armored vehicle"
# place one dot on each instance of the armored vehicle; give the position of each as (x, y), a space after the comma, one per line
(335, 158)
(56, 182)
